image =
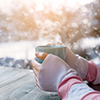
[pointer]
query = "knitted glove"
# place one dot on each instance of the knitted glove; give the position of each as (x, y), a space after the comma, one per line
(87, 70)
(52, 72)
(77, 62)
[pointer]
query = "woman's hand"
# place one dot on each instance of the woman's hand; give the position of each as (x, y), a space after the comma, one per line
(36, 65)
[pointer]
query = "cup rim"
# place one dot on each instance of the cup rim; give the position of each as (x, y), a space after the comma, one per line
(50, 46)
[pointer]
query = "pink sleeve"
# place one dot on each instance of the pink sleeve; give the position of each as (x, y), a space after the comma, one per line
(92, 72)
(66, 85)
(67, 90)
(92, 96)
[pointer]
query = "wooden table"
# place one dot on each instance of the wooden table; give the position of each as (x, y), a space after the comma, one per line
(19, 84)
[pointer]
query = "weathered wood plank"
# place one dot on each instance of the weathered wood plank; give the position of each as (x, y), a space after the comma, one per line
(19, 84)
(11, 75)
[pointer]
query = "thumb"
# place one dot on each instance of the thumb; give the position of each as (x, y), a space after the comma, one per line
(41, 55)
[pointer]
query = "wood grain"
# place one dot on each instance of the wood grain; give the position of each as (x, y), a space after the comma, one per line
(19, 84)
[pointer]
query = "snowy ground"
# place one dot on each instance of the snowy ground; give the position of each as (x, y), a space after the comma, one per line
(18, 54)
(89, 47)
(19, 50)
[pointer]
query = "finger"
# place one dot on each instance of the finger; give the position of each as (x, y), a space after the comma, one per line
(36, 65)
(36, 79)
(35, 72)
(41, 55)
(37, 84)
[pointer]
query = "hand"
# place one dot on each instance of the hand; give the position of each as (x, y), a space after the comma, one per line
(52, 71)
(36, 65)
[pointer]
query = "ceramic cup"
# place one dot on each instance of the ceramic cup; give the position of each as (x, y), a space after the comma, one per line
(59, 50)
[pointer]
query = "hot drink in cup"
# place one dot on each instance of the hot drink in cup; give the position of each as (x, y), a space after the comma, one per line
(59, 50)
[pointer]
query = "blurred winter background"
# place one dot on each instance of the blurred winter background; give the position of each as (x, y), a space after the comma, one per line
(25, 24)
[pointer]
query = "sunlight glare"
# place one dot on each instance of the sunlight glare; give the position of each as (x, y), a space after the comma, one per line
(75, 3)
(57, 4)
(52, 4)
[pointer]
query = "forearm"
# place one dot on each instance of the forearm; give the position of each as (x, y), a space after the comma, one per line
(93, 73)
(97, 78)
(74, 88)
